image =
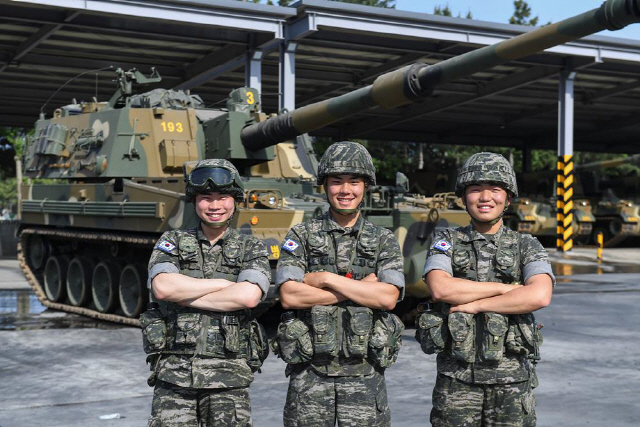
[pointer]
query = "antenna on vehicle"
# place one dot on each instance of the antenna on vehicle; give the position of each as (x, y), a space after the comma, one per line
(110, 67)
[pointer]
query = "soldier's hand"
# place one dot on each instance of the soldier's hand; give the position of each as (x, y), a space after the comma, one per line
(317, 280)
(370, 278)
(469, 307)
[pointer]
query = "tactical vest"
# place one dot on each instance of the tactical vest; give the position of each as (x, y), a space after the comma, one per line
(506, 268)
(347, 330)
(321, 252)
(190, 331)
(345, 339)
(488, 336)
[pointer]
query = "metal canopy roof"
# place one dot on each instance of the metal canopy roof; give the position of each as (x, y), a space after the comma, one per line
(340, 47)
(44, 43)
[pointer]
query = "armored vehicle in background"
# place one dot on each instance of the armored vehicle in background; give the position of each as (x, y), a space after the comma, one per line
(596, 206)
(118, 166)
(538, 218)
(115, 182)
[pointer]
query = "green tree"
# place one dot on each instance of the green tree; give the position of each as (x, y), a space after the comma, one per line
(446, 11)
(442, 10)
(522, 13)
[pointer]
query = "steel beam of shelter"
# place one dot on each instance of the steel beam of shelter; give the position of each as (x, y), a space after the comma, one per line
(564, 241)
(253, 70)
(288, 75)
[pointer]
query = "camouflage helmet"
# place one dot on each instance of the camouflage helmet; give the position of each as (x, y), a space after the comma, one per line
(217, 175)
(483, 168)
(346, 158)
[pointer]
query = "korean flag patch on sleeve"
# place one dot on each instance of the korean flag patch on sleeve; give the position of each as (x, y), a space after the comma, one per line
(165, 246)
(442, 245)
(290, 245)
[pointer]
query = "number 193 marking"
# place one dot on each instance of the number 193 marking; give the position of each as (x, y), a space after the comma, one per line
(171, 127)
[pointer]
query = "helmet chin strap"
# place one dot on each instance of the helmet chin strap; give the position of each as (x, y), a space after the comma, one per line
(345, 211)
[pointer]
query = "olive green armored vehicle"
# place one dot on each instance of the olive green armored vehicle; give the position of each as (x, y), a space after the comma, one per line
(115, 182)
(596, 207)
(118, 171)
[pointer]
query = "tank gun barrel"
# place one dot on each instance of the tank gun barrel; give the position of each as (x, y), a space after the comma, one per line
(603, 164)
(417, 81)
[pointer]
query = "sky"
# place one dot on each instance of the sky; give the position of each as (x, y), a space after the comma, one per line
(501, 11)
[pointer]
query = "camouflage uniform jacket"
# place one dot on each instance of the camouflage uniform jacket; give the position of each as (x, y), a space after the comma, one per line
(323, 245)
(173, 254)
(492, 259)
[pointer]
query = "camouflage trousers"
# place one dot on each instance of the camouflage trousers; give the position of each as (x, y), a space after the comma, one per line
(315, 400)
(460, 404)
(175, 406)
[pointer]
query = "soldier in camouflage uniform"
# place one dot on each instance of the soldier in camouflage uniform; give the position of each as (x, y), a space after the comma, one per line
(482, 328)
(341, 273)
(203, 342)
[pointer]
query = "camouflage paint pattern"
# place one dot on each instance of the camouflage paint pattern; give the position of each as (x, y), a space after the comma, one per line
(122, 166)
(121, 156)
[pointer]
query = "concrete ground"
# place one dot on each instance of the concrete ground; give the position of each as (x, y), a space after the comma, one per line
(590, 372)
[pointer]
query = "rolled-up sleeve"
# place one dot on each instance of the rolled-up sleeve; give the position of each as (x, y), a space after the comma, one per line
(437, 262)
(292, 264)
(163, 267)
(437, 257)
(286, 273)
(390, 267)
(538, 267)
(535, 259)
(164, 258)
(255, 266)
(256, 277)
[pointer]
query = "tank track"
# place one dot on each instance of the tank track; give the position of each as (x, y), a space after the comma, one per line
(32, 278)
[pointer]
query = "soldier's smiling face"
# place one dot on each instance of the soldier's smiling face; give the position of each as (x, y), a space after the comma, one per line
(345, 191)
(485, 202)
(214, 208)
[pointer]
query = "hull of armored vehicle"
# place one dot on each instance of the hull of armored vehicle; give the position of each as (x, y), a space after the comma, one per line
(84, 248)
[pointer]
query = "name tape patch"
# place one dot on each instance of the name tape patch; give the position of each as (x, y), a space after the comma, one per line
(166, 246)
(442, 245)
(290, 245)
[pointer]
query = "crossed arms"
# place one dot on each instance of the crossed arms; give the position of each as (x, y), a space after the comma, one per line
(325, 288)
(478, 297)
(205, 294)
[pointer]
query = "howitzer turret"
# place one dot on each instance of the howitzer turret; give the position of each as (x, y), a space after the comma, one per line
(85, 239)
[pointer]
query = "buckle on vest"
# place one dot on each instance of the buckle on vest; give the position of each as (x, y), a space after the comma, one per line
(230, 320)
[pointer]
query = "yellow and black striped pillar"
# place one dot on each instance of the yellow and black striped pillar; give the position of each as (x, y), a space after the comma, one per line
(564, 187)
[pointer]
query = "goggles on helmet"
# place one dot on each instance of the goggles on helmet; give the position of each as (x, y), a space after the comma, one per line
(219, 177)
